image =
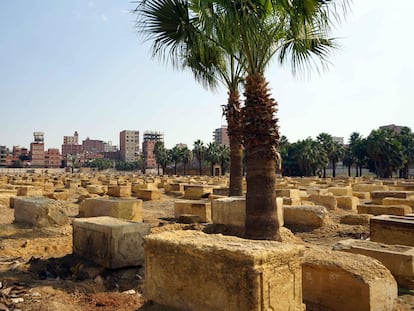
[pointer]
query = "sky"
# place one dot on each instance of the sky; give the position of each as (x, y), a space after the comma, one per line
(80, 65)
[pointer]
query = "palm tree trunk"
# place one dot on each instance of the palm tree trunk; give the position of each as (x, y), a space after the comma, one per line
(333, 169)
(261, 139)
(199, 167)
(234, 131)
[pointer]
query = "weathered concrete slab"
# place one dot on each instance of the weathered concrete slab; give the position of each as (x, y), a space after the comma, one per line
(340, 191)
(343, 282)
(119, 191)
(328, 201)
(39, 211)
(378, 196)
(200, 208)
(305, 216)
(110, 242)
(375, 209)
(390, 229)
(196, 192)
(147, 194)
(129, 209)
(355, 219)
(347, 202)
(231, 211)
(190, 270)
(399, 259)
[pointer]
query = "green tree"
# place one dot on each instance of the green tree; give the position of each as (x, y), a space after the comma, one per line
(180, 33)
(406, 138)
(162, 156)
(348, 159)
(326, 142)
(186, 156)
(224, 153)
(212, 156)
(258, 31)
(175, 156)
(386, 152)
(199, 151)
(359, 152)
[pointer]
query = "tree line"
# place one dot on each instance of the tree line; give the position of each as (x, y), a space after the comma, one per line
(383, 152)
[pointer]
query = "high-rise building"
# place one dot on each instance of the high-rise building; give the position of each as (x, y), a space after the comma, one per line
(37, 150)
(148, 144)
(71, 145)
(129, 145)
(221, 137)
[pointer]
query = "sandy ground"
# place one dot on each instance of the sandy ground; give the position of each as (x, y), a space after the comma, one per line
(39, 272)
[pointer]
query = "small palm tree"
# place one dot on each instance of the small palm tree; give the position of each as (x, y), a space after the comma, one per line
(212, 156)
(186, 156)
(175, 156)
(199, 152)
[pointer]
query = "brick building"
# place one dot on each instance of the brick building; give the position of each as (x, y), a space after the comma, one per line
(148, 144)
(221, 137)
(37, 150)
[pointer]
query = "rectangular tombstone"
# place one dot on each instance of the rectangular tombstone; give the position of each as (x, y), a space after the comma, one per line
(289, 193)
(201, 208)
(397, 201)
(377, 196)
(328, 201)
(31, 191)
(231, 211)
(110, 242)
(399, 259)
(340, 191)
(39, 211)
(362, 195)
(190, 270)
(148, 195)
(391, 229)
(368, 187)
(347, 202)
(375, 209)
(344, 282)
(129, 209)
(305, 216)
(195, 192)
(119, 191)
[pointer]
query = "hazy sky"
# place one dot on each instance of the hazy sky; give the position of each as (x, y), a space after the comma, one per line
(80, 65)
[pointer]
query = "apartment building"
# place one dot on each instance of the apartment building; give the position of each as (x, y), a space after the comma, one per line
(52, 158)
(220, 136)
(93, 145)
(3, 155)
(37, 150)
(71, 145)
(129, 145)
(148, 144)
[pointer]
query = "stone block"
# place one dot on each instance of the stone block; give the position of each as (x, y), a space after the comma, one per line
(289, 193)
(305, 216)
(343, 282)
(195, 192)
(377, 196)
(174, 187)
(290, 201)
(201, 208)
(362, 195)
(5, 196)
(360, 187)
(397, 201)
(148, 195)
(355, 219)
(190, 270)
(231, 211)
(39, 211)
(340, 191)
(129, 209)
(391, 229)
(58, 194)
(30, 191)
(119, 191)
(110, 242)
(375, 209)
(143, 186)
(97, 189)
(328, 201)
(399, 259)
(347, 202)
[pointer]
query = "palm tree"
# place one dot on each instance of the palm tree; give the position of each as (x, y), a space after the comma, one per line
(384, 149)
(199, 152)
(406, 138)
(336, 154)
(258, 31)
(326, 142)
(183, 39)
(212, 156)
(359, 151)
(186, 156)
(224, 156)
(348, 159)
(161, 156)
(175, 156)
